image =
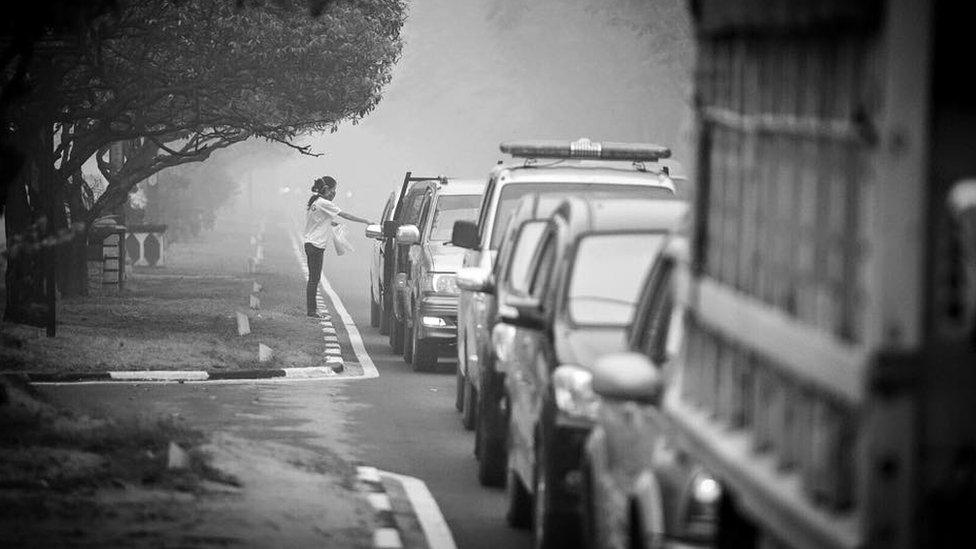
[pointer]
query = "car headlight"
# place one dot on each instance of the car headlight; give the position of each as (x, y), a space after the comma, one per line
(701, 516)
(441, 283)
(573, 388)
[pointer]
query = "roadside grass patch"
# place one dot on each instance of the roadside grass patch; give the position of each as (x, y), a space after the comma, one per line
(181, 316)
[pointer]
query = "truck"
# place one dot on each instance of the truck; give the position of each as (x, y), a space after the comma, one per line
(828, 374)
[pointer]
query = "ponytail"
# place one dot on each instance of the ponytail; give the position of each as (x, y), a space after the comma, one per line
(311, 201)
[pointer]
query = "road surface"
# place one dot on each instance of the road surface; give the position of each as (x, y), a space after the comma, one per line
(403, 422)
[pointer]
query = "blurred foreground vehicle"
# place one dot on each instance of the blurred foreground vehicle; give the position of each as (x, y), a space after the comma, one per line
(426, 285)
(639, 490)
(582, 288)
(403, 206)
(552, 170)
(509, 276)
(829, 366)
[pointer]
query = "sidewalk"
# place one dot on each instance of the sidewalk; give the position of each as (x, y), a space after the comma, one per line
(68, 479)
(182, 317)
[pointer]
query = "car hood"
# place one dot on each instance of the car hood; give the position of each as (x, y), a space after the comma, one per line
(444, 259)
(583, 346)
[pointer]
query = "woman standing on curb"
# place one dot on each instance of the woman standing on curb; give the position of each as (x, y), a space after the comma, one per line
(320, 216)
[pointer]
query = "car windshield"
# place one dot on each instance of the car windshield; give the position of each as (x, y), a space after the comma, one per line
(607, 274)
(552, 194)
(450, 209)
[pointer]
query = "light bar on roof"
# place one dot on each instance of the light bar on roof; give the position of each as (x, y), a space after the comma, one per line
(584, 148)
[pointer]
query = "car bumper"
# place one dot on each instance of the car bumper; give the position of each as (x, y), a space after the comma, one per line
(444, 309)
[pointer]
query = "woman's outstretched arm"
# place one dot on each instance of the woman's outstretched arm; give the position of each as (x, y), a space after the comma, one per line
(357, 219)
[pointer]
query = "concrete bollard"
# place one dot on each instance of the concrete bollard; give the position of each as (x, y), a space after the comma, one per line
(264, 353)
(243, 324)
(255, 302)
(255, 287)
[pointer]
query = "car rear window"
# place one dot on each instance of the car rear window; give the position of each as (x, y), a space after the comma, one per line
(450, 209)
(607, 274)
(552, 194)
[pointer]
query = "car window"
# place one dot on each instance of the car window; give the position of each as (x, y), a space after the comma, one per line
(425, 209)
(388, 208)
(524, 247)
(653, 333)
(450, 209)
(545, 259)
(606, 275)
(411, 205)
(551, 194)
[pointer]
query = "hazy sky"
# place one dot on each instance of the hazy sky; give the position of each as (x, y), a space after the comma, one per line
(477, 72)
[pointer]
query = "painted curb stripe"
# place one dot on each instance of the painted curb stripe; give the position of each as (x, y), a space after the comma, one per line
(387, 538)
(425, 507)
(248, 374)
(159, 375)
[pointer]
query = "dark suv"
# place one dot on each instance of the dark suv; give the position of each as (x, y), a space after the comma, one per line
(638, 485)
(425, 283)
(406, 210)
(584, 283)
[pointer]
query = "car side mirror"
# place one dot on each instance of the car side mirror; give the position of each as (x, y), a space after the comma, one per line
(465, 235)
(475, 279)
(407, 235)
(628, 376)
(374, 231)
(524, 311)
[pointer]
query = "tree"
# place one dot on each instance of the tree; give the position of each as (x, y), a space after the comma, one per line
(179, 80)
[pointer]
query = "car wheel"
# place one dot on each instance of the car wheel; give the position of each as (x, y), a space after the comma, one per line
(374, 310)
(424, 354)
(408, 348)
(469, 408)
(589, 507)
(396, 335)
(551, 530)
(459, 395)
(519, 513)
(385, 317)
(490, 433)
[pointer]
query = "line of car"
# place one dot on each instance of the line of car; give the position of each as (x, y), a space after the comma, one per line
(563, 325)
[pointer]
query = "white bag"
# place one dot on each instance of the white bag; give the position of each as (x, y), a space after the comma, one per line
(341, 240)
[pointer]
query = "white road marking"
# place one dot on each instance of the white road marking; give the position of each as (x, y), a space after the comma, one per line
(429, 515)
(356, 340)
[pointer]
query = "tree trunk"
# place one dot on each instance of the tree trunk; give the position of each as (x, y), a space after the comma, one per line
(32, 216)
(73, 255)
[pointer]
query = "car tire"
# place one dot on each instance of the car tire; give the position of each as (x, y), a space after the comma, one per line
(519, 513)
(408, 332)
(385, 318)
(589, 507)
(424, 353)
(469, 408)
(396, 335)
(550, 530)
(459, 395)
(374, 310)
(490, 434)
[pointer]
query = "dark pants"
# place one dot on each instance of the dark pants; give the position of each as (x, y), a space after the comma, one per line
(314, 256)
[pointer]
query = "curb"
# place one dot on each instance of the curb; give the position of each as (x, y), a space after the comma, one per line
(180, 376)
(386, 535)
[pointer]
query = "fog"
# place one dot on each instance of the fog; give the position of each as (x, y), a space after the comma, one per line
(477, 72)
